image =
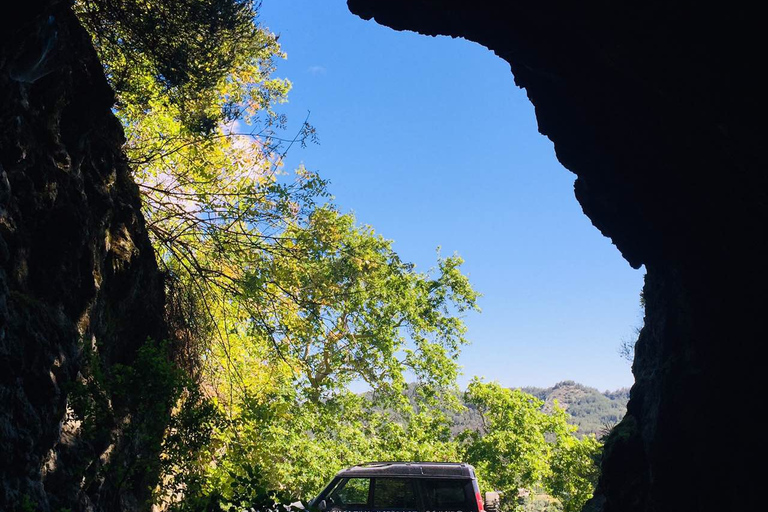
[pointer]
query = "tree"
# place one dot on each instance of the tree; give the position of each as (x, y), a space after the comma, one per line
(574, 470)
(521, 447)
(511, 451)
(195, 94)
(344, 306)
(197, 63)
(341, 307)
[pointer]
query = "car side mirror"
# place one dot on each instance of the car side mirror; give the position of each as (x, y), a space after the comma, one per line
(322, 506)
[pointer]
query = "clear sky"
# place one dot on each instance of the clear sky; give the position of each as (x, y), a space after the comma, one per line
(429, 141)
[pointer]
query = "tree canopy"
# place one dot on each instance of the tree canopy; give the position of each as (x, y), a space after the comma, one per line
(522, 446)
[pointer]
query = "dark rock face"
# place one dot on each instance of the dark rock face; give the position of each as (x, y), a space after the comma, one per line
(76, 266)
(658, 110)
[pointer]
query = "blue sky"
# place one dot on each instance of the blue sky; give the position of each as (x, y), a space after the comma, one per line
(429, 141)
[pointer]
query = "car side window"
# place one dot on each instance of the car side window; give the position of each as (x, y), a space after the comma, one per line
(351, 494)
(395, 494)
(443, 495)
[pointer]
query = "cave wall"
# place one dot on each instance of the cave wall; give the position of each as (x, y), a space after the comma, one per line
(77, 272)
(659, 109)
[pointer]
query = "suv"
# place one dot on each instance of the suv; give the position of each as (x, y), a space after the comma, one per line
(402, 487)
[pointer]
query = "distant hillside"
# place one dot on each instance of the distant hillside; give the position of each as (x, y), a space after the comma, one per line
(590, 409)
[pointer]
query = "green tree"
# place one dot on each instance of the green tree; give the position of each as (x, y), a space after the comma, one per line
(344, 306)
(195, 94)
(574, 470)
(519, 446)
(511, 450)
(194, 63)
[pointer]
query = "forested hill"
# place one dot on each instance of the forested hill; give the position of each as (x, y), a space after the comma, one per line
(591, 410)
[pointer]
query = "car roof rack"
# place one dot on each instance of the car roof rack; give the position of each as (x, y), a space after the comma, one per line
(385, 462)
(425, 469)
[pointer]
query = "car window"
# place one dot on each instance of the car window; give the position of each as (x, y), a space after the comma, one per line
(442, 495)
(350, 494)
(394, 494)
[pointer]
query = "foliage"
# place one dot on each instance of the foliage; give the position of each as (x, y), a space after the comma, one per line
(250, 258)
(511, 449)
(520, 446)
(343, 306)
(189, 63)
(144, 399)
(536, 501)
(574, 471)
(282, 448)
(195, 95)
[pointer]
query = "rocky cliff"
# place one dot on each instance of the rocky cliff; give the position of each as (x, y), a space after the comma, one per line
(79, 288)
(659, 110)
